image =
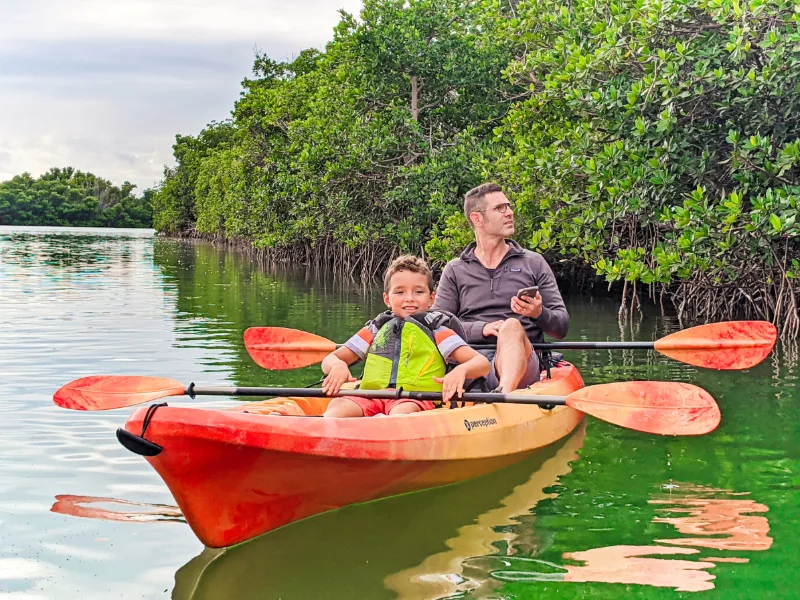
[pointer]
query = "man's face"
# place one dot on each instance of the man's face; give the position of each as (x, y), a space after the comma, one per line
(498, 216)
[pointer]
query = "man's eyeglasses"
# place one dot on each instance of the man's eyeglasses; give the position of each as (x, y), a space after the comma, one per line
(501, 208)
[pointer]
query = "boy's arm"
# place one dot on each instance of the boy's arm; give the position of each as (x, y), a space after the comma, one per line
(337, 368)
(473, 363)
(340, 355)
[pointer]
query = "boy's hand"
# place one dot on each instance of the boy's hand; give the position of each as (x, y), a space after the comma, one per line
(452, 383)
(338, 376)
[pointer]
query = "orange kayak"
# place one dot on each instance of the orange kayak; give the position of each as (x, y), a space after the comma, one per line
(238, 473)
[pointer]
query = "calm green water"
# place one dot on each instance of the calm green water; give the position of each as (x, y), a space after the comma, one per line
(606, 512)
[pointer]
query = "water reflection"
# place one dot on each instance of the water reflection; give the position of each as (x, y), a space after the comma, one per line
(63, 250)
(716, 520)
(221, 292)
(729, 520)
(635, 565)
(91, 507)
(630, 565)
(505, 526)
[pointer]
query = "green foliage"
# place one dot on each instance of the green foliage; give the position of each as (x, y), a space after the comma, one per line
(659, 142)
(72, 198)
(174, 203)
(366, 145)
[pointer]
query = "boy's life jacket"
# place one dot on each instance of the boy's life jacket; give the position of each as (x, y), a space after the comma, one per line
(404, 352)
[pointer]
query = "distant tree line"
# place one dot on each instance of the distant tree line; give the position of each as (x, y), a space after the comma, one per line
(73, 198)
(656, 145)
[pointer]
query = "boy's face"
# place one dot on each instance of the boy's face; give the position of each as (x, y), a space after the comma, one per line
(408, 294)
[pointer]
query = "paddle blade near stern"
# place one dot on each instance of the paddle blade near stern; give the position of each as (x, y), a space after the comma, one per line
(729, 345)
(664, 408)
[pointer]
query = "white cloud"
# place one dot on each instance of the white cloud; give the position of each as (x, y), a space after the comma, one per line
(105, 86)
(173, 19)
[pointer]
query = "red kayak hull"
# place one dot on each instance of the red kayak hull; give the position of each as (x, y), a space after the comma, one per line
(239, 473)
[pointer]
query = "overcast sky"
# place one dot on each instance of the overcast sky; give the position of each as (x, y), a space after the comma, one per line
(104, 85)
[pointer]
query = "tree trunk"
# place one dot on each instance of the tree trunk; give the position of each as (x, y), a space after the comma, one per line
(414, 98)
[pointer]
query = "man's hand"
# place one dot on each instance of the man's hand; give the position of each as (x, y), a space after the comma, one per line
(452, 383)
(492, 328)
(338, 376)
(527, 306)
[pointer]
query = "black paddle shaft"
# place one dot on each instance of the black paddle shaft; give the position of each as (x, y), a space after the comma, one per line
(574, 346)
(595, 346)
(489, 398)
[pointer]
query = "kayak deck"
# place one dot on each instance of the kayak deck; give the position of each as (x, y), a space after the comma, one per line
(239, 473)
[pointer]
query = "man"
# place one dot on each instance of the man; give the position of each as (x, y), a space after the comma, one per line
(480, 288)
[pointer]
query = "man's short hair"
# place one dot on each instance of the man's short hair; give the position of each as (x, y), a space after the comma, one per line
(407, 262)
(475, 199)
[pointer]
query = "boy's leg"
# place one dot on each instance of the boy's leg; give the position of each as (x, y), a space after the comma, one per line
(407, 406)
(348, 407)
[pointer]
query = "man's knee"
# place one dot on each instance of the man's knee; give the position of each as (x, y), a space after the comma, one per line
(512, 337)
(512, 327)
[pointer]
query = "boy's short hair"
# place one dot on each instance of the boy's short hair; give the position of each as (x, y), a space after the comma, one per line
(475, 199)
(407, 262)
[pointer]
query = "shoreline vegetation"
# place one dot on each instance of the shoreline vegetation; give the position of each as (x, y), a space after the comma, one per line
(72, 198)
(653, 145)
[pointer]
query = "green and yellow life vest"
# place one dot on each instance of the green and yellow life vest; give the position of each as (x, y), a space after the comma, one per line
(404, 353)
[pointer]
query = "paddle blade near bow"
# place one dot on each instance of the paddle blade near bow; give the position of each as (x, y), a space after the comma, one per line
(281, 348)
(728, 345)
(664, 408)
(104, 392)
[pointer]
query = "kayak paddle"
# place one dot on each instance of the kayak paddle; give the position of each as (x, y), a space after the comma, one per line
(728, 345)
(665, 408)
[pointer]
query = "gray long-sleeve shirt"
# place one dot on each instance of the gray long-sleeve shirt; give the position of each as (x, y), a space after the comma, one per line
(477, 296)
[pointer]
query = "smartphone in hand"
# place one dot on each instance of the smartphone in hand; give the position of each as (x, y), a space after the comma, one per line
(528, 291)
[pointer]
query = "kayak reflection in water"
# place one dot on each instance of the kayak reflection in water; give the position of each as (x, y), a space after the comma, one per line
(406, 346)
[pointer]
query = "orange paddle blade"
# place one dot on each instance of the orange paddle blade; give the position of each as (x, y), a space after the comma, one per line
(726, 345)
(280, 348)
(661, 407)
(103, 392)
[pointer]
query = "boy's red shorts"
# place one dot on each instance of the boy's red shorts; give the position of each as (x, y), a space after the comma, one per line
(372, 407)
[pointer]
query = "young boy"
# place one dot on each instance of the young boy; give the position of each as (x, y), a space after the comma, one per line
(404, 347)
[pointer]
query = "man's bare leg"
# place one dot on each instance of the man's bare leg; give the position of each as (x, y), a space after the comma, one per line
(513, 351)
